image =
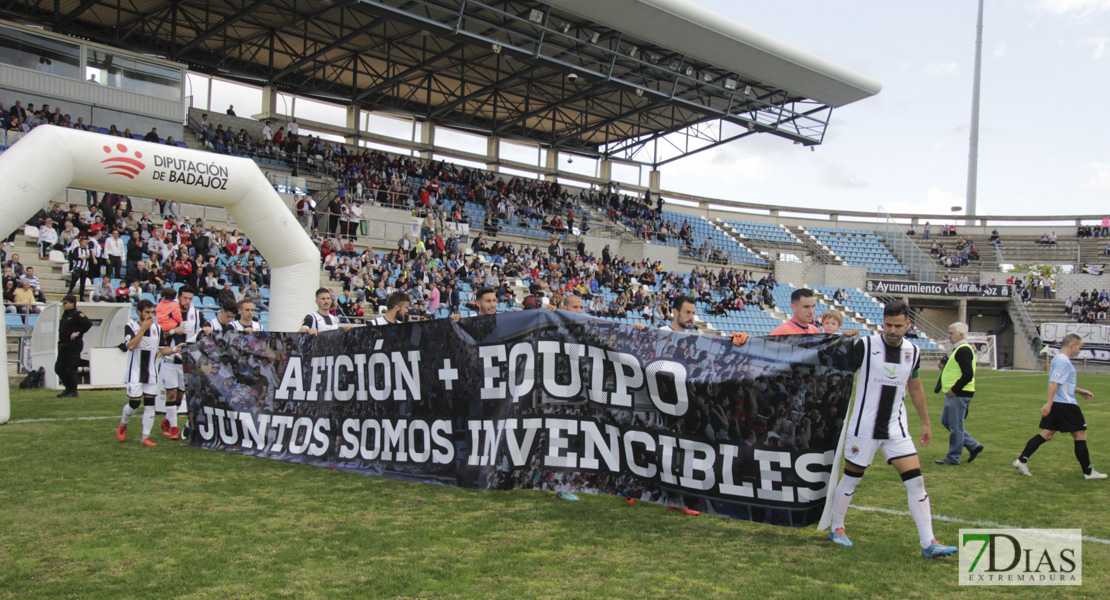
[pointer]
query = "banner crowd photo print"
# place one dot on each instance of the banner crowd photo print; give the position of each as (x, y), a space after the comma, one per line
(539, 400)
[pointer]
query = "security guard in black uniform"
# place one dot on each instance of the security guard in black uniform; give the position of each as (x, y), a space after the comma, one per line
(71, 330)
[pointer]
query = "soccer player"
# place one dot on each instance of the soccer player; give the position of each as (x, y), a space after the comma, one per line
(682, 320)
(321, 319)
(573, 303)
(486, 299)
(890, 365)
(173, 370)
(223, 321)
(143, 339)
(246, 322)
(1061, 412)
(397, 309)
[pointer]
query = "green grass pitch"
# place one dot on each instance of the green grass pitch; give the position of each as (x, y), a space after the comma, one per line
(84, 516)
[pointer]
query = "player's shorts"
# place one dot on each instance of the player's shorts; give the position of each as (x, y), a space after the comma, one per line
(138, 390)
(861, 451)
(173, 376)
(1065, 418)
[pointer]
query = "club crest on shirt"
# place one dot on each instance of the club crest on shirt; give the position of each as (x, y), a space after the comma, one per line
(1057, 374)
(853, 452)
(907, 355)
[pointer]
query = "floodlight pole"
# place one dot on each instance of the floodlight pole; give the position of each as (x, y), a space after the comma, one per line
(973, 153)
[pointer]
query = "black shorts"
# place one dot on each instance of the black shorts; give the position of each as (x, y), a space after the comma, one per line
(1064, 417)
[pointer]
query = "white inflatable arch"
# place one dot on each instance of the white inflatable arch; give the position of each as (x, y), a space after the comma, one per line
(50, 159)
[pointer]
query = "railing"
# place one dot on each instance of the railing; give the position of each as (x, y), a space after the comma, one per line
(1060, 252)
(919, 264)
(1025, 329)
(816, 250)
(1025, 322)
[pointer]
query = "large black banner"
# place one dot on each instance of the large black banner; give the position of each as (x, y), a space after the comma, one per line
(539, 400)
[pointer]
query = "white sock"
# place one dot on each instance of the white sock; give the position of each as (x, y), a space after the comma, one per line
(171, 415)
(148, 420)
(921, 510)
(127, 412)
(844, 491)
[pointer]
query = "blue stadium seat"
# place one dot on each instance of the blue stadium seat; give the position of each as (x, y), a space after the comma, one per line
(14, 322)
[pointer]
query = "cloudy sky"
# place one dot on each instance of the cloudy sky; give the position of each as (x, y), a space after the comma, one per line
(1043, 125)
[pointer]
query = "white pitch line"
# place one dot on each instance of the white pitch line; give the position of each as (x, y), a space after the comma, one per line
(1013, 376)
(58, 419)
(978, 524)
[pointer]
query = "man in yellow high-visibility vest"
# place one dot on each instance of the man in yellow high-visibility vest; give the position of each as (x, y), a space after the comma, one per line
(957, 382)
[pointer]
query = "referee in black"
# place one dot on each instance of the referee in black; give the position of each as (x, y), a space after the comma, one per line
(80, 259)
(71, 331)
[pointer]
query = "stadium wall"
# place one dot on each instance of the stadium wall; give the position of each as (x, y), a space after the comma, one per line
(1070, 285)
(793, 273)
(99, 105)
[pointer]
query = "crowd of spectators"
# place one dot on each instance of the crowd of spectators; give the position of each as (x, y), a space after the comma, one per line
(130, 254)
(19, 119)
(439, 274)
(1094, 231)
(1090, 307)
(307, 152)
(965, 252)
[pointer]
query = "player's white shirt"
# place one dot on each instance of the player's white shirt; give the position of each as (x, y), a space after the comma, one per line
(879, 410)
(237, 326)
(193, 323)
(380, 321)
(218, 327)
(319, 322)
(142, 362)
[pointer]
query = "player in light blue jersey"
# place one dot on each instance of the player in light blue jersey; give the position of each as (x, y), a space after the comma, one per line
(1061, 412)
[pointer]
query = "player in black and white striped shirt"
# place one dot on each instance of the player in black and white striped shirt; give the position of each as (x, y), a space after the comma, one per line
(888, 367)
(321, 319)
(143, 339)
(173, 370)
(246, 323)
(80, 258)
(222, 322)
(396, 310)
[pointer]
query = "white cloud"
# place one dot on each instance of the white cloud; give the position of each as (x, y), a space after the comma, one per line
(937, 68)
(1000, 50)
(1098, 45)
(936, 202)
(838, 176)
(1100, 179)
(725, 165)
(1074, 7)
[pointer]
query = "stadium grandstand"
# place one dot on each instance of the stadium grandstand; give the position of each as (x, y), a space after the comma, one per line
(601, 83)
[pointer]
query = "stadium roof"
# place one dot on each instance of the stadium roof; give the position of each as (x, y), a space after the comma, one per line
(647, 81)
